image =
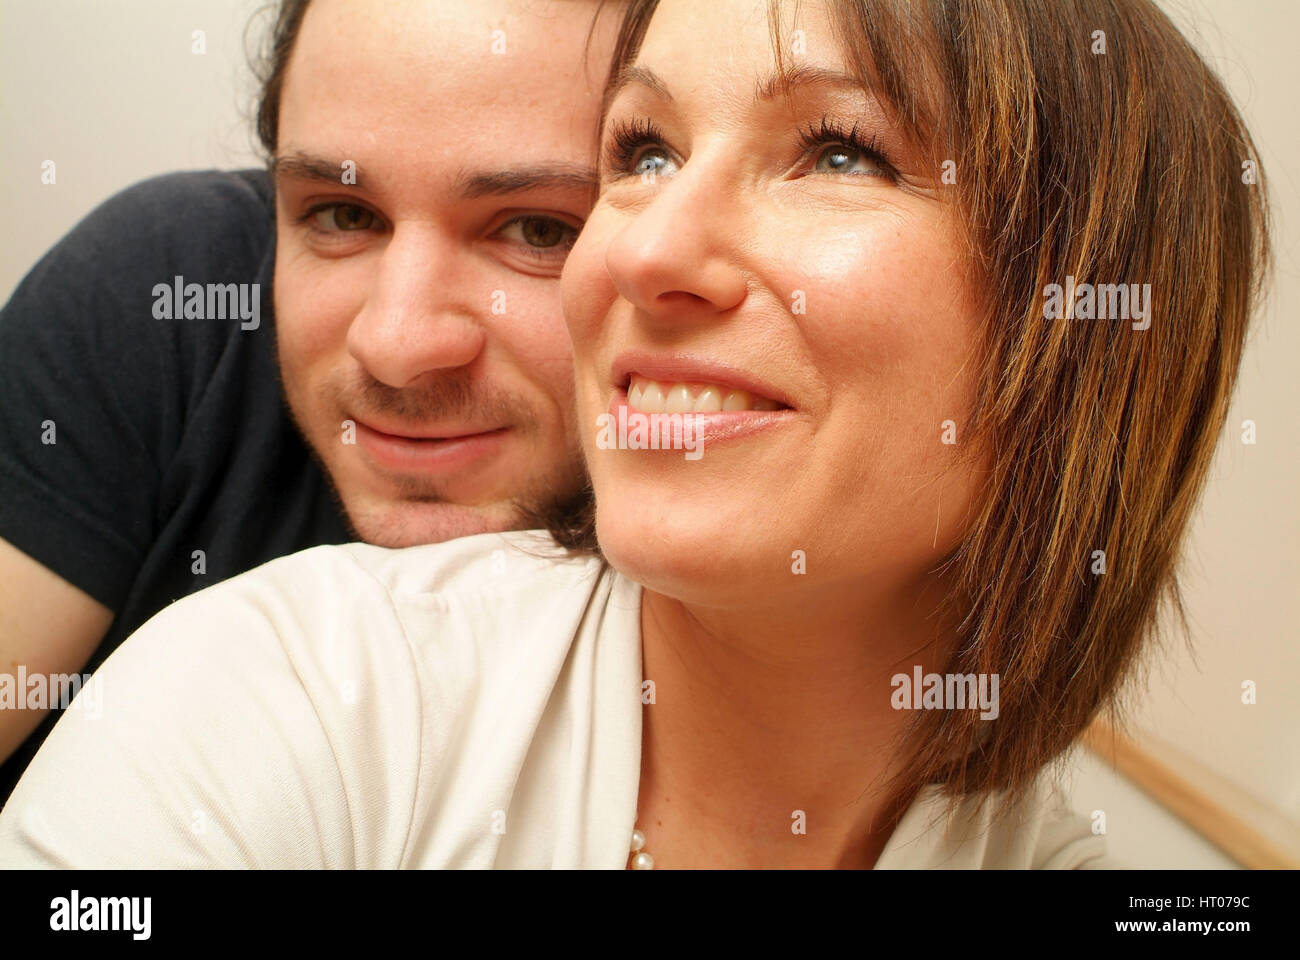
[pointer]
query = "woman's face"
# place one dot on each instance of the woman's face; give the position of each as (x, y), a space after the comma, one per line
(789, 244)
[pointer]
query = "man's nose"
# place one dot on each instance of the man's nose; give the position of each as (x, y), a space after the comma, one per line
(420, 314)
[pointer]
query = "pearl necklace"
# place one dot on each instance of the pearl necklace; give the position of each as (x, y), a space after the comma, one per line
(640, 859)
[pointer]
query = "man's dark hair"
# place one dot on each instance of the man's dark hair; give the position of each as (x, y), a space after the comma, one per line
(271, 68)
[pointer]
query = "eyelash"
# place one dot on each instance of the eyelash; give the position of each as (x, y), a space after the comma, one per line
(542, 255)
(627, 137)
(306, 218)
(831, 133)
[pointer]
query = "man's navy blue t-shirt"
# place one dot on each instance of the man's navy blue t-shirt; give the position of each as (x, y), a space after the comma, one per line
(142, 459)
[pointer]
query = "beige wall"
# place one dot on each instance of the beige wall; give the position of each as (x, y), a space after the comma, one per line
(1243, 559)
(112, 93)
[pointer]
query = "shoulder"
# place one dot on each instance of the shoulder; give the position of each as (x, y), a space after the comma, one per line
(311, 710)
(1037, 832)
(520, 566)
(445, 653)
(356, 603)
(182, 197)
(206, 226)
(494, 599)
(184, 215)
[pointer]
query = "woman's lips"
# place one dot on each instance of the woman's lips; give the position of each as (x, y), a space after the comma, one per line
(408, 454)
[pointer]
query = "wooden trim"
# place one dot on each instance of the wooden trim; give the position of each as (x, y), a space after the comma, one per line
(1209, 817)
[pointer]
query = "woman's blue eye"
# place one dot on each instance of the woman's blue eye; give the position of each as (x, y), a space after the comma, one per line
(839, 158)
(634, 148)
(652, 161)
(839, 150)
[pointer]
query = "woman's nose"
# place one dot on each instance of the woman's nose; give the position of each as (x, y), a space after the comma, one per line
(679, 251)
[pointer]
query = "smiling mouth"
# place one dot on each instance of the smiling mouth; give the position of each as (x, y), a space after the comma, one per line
(432, 438)
(445, 455)
(654, 396)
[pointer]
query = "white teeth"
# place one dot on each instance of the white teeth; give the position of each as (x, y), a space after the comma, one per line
(709, 401)
(650, 396)
(736, 400)
(679, 400)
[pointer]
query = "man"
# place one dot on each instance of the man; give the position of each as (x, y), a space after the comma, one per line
(432, 162)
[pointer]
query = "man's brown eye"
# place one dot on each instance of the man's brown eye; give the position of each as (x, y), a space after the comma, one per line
(547, 240)
(348, 216)
(543, 231)
(340, 218)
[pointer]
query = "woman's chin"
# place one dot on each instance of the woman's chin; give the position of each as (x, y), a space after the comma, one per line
(692, 555)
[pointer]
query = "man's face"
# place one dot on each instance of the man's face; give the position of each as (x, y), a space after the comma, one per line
(420, 337)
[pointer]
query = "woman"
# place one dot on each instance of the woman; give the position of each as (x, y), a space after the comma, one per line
(928, 529)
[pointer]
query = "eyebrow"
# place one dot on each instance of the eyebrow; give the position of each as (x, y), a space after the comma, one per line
(565, 176)
(306, 166)
(633, 74)
(780, 82)
(783, 82)
(495, 183)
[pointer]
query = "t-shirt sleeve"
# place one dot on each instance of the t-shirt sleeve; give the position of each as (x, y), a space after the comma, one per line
(271, 721)
(91, 382)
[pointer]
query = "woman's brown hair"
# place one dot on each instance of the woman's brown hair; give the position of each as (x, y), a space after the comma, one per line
(1088, 140)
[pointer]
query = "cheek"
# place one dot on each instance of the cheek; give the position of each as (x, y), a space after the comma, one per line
(888, 297)
(890, 326)
(315, 303)
(886, 315)
(530, 339)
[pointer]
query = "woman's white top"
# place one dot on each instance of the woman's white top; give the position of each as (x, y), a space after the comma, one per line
(475, 703)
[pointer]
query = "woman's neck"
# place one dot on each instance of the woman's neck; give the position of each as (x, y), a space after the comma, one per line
(771, 733)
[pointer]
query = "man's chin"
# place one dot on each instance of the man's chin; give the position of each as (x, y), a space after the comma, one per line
(412, 523)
